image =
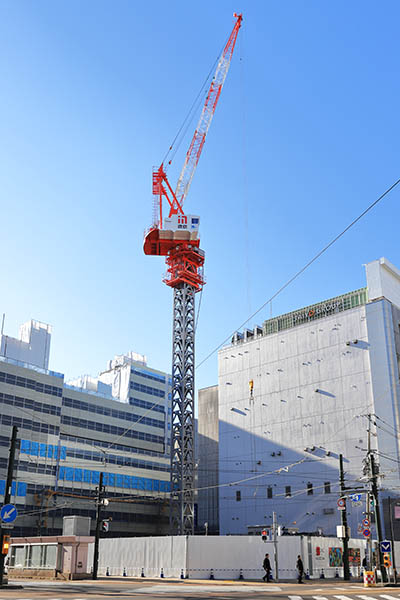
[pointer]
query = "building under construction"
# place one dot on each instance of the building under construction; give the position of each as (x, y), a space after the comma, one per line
(68, 433)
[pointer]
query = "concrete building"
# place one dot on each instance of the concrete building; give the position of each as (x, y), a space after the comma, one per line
(293, 395)
(69, 432)
(207, 461)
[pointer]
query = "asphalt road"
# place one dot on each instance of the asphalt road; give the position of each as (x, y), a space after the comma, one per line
(195, 590)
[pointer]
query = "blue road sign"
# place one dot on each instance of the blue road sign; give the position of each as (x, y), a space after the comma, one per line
(386, 546)
(366, 532)
(355, 497)
(8, 513)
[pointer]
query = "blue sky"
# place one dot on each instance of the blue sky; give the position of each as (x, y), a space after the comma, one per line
(305, 136)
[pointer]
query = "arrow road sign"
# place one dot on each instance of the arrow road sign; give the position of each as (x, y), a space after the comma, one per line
(355, 497)
(386, 546)
(8, 513)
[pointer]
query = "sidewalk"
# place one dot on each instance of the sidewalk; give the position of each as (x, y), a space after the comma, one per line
(281, 582)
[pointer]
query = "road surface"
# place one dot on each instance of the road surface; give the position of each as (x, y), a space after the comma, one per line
(195, 590)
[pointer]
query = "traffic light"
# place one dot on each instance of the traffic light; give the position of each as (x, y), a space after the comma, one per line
(386, 560)
(6, 544)
(264, 535)
(105, 526)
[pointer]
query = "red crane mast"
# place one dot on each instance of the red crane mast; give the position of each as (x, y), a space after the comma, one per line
(176, 237)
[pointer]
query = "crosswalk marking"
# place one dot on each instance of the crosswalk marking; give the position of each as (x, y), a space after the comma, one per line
(342, 597)
(366, 597)
(388, 597)
(295, 598)
(320, 598)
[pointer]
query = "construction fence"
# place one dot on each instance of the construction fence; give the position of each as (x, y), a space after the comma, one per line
(225, 557)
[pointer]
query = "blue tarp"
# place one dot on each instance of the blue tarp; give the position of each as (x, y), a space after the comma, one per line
(49, 450)
(21, 488)
(113, 479)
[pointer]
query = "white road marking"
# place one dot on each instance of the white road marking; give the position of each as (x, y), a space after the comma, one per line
(201, 589)
(342, 597)
(320, 598)
(366, 597)
(295, 597)
(388, 597)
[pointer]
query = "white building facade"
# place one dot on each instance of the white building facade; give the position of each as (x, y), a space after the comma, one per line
(295, 394)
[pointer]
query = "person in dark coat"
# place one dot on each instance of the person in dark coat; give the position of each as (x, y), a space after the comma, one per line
(267, 568)
(300, 569)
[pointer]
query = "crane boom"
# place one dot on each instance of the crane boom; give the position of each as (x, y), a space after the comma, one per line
(199, 137)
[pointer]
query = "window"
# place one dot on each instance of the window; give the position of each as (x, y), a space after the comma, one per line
(148, 375)
(288, 491)
(269, 492)
(238, 496)
(327, 487)
(146, 389)
(310, 490)
(36, 556)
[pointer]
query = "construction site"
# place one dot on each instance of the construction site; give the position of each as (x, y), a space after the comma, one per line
(129, 453)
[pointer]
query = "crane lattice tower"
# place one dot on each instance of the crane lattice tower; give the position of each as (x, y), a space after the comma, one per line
(176, 238)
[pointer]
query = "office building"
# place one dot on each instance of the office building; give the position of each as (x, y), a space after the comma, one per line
(68, 433)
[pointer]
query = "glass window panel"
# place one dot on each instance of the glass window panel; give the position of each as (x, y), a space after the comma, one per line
(50, 557)
(35, 554)
(17, 556)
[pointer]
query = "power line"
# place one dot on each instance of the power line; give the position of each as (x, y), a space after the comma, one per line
(301, 271)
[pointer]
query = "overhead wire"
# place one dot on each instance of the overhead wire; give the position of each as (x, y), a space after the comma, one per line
(301, 271)
(245, 178)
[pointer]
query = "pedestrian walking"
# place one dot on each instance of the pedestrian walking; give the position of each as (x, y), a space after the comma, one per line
(300, 569)
(267, 568)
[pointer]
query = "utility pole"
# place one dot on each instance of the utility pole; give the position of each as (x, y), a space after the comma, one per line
(274, 528)
(374, 489)
(7, 493)
(343, 514)
(99, 505)
(368, 507)
(375, 496)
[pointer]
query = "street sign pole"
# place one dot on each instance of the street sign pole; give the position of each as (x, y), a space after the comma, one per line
(392, 538)
(346, 569)
(7, 493)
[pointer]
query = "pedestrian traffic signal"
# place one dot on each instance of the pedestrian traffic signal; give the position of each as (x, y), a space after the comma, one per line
(105, 526)
(6, 544)
(386, 560)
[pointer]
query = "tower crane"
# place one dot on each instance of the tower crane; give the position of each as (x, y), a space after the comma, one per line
(177, 238)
